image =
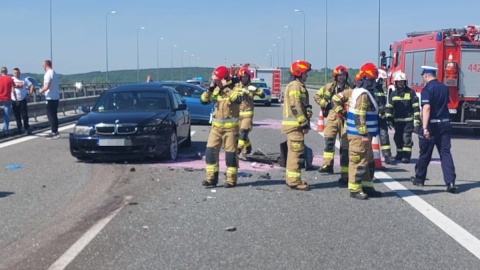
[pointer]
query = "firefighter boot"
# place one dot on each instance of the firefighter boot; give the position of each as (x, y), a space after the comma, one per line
(211, 183)
(388, 158)
(303, 186)
(326, 169)
(342, 182)
(360, 195)
(371, 192)
(406, 160)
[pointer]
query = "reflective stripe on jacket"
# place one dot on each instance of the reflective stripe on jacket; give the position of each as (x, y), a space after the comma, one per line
(362, 116)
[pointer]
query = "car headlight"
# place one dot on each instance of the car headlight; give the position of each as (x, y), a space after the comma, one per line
(82, 130)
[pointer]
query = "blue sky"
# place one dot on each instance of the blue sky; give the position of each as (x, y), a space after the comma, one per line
(214, 32)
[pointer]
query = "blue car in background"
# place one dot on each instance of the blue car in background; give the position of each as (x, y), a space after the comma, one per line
(191, 94)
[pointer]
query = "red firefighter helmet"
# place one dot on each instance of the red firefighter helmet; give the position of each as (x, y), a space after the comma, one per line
(299, 67)
(243, 70)
(220, 72)
(339, 70)
(367, 71)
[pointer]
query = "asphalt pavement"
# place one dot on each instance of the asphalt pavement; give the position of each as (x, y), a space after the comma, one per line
(58, 213)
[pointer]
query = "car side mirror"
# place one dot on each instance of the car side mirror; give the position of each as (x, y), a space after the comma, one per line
(181, 107)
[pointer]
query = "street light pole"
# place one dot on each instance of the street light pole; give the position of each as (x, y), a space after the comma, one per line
(298, 10)
(51, 36)
(181, 63)
(171, 62)
(283, 39)
(278, 54)
(190, 67)
(158, 63)
(326, 40)
(291, 53)
(378, 51)
(138, 54)
(106, 43)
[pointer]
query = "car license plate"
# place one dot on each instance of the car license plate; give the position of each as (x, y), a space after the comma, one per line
(114, 142)
(452, 111)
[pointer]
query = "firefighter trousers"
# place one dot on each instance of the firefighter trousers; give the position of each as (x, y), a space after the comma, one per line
(244, 145)
(384, 137)
(295, 146)
(334, 127)
(344, 154)
(229, 139)
(403, 139)
(361, 167)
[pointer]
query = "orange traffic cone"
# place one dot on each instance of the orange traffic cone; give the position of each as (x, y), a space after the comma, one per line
(376, 153)
(321, 122)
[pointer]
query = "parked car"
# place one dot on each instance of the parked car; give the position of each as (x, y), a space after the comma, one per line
(267, 100)
(37, 86)
(191, 94)
(198, 81)
(133, 120)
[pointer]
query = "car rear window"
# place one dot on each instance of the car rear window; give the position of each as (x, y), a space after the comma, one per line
(259, 84)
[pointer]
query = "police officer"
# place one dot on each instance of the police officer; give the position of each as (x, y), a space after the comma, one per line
(224, 130)
(383, 124)
(334, 124)
(362, 126)
(246, 110)
(405, 111)
(436, 130)
(295, 123)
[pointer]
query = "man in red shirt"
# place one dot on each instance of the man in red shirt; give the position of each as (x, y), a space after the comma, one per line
(6, 89)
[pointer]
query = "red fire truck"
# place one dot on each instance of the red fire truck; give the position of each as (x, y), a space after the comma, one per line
(456, 53)
(271, 76)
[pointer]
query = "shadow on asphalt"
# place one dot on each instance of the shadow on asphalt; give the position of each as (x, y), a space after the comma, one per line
(261, 183)
(4, 194)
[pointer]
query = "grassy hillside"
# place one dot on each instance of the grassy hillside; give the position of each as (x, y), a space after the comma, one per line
(121, 76)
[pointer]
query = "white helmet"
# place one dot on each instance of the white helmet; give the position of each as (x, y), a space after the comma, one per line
(382, 74)
(400, 76)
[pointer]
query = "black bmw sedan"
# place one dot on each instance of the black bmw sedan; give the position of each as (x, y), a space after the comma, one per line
(133, 120)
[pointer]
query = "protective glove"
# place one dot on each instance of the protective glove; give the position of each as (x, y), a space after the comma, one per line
(416, 127)
(390, 122)
(309, 111)
(251, 88)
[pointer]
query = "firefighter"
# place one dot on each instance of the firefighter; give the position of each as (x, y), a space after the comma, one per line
(340, 104)
(405, 111)
(296, 122)
(224, 130)
(362, 126)
(436, 130)
(246, 110)
(334, 124)
(383, 124)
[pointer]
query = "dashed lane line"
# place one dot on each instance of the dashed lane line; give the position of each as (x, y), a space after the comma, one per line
(69, 255)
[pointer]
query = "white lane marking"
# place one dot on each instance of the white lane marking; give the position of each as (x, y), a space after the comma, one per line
(42, 134)
(458, 233)
(86, 238)
(31, 137)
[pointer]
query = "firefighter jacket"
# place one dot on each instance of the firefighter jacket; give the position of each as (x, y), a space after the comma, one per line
(362, 116)
(295, 106)
(381, 99)
(341, 101)
(324, 96)
(247, 106)
(404, 106)
(227, 105)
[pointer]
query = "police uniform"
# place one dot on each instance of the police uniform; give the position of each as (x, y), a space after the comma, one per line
(334, 124)
(435, 94)
(224, 131)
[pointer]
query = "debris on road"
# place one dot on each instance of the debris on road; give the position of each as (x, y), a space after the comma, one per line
(14, 167)
(231, 229)
(132, 169)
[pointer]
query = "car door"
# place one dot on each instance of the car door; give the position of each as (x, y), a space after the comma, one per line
(183, 118)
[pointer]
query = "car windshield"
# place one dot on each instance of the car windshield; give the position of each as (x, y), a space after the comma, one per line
(187, 90)
(260, 84)
(133, 101)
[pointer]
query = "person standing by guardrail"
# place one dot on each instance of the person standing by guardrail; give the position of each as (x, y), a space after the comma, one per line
(52, 94)
(6, 89)
(20, 109)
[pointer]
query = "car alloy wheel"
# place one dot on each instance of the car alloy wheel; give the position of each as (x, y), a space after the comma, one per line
(173, 151)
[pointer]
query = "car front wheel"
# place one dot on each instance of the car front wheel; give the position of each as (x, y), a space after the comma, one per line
(172, 153)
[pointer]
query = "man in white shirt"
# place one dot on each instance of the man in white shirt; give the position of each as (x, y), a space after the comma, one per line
(52, 94)
(20, 108)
